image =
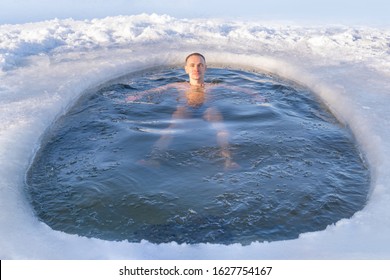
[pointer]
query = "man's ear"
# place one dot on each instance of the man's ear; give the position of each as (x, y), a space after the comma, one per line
(185, 68)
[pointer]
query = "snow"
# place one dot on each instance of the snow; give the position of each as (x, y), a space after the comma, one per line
(45, 66)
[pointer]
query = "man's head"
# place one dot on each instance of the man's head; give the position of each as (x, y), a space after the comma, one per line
(195, 68)
(196, 54)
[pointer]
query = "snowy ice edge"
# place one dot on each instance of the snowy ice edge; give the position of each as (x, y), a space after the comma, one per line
(20, 41)
(47, 84)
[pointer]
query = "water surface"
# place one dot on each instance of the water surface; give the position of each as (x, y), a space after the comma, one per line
(299, 168)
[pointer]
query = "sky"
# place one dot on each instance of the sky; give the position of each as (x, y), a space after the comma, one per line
(373, 12)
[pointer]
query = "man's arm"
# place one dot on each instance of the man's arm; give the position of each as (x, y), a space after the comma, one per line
(134, 97)
(256, 97)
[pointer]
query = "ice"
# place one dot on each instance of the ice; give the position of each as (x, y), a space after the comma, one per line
(45, 66)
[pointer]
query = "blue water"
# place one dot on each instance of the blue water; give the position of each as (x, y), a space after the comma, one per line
(99, 174)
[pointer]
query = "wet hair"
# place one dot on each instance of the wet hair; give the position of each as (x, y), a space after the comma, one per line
(198, 54)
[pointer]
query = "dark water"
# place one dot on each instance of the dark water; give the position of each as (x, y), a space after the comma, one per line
(299, 169)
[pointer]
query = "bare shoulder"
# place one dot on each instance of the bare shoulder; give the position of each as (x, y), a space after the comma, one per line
(214, 85)
(179, 85)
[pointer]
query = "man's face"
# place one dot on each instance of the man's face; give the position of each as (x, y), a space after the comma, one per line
(195, 67)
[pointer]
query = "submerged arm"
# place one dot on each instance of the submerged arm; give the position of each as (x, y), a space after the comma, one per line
(256, 97)
(139, 95)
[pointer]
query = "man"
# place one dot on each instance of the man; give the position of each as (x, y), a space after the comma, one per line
(195, 67)
(195, 94)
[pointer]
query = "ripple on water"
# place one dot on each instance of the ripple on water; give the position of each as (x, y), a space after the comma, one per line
(299, 168)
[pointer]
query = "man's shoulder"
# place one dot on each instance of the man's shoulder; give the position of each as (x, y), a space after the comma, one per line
(179, 85)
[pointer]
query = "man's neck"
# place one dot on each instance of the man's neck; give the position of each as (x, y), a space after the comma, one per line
(197, 83)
